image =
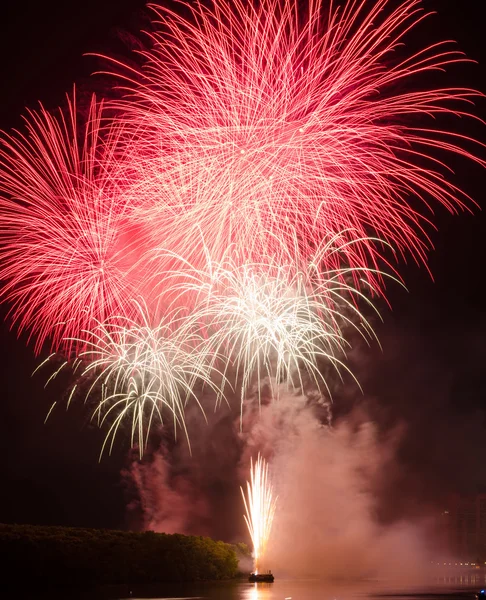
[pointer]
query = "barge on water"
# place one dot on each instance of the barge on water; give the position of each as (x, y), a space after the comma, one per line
(261, 577)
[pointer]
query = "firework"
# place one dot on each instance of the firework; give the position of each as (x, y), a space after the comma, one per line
(272, 322)
(280, 125)
(137, 371)
(260, 506)
(224, 228)
(231, 326)
(68, 254)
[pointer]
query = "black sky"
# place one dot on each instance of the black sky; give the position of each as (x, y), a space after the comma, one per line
(431, 374)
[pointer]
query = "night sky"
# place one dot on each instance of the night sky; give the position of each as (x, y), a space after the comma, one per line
(430, 377)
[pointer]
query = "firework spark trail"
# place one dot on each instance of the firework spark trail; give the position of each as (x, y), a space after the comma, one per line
(230, 327)
(68, 254)
(272, 321)
(260, 504)
(259, 167)
(138, 370)
(283, 127)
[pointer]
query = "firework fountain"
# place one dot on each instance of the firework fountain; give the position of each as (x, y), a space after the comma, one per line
(260, 504)
(225, 224)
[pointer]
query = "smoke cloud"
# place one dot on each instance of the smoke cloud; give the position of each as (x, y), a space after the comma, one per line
(328, 479)
(327, 524)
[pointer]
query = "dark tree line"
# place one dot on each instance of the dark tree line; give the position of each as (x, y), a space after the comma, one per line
(64, 556)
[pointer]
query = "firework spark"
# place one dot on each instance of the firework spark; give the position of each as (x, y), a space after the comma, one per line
(260, 504)
(230, 326)
(265, 157)
(137, 371)
(270, 321)
(285, 125)
(68, 255)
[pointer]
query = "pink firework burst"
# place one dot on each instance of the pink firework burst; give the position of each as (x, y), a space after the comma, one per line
(280, 123)
(68, 254)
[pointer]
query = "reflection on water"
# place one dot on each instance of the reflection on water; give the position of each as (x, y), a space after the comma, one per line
(292, 590)
(444, 586)
(281, 590)
(468, 580)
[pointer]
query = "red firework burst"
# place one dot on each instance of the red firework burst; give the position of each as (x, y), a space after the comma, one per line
(278, 127)
(68, 253)
(265, 127)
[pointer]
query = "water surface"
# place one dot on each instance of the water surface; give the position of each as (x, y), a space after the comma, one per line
(454, 587)
(444, 587)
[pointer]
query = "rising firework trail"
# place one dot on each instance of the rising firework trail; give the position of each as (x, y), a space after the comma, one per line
(260, 504)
